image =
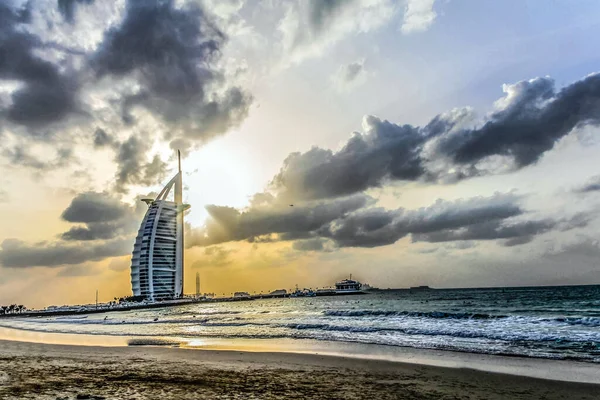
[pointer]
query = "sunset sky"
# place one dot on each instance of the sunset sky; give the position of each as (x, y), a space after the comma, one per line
(419, 142)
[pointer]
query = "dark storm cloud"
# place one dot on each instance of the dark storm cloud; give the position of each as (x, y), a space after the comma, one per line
(93, 231)
(515, 232)
(172, 53)
(534, 118)
(352, 222)
(387, 150)
(106, 228)
(519, 232)
(104, 216)
(131, 157)
(67, 7)
(529, 120)
(94, 207)
(132, 166)
(378, 227)
(162, 56)
(228, 224)
(17, 254)
(47, 95)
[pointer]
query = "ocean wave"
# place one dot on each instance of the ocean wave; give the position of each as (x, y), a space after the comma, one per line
(585, 321)
(423, 314)
(207, 312)
(326, 327)
(508, 336)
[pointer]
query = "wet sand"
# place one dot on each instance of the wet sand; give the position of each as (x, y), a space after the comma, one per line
(50, 371)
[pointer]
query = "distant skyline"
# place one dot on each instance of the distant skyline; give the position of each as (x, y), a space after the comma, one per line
(420, 142)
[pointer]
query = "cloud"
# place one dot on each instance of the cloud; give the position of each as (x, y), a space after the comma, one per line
(355, 222)
(350, 75)
(104, 216)
(592, 185)
(79, 270)
(526, 123)
(385, 151)
(93, 231)
(418, 16)
(133, 167)
(131, 157)
(76, 66)
(228, 224)
(102, 139)
(314, 244)
(67, 7)
(94, 207)
(15, 253)
(310, 27)
(20, 155)
(106, 228)
(515, 232)
(167, 55)
(585, 247)
(171, 52)
(45, 94)
(214, 256)
(374, 227)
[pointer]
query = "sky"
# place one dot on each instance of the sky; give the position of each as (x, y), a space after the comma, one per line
(412, 142)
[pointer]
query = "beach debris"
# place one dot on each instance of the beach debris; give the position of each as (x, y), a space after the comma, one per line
(84, 396)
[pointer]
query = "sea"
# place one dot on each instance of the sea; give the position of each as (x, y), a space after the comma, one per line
(541, 322)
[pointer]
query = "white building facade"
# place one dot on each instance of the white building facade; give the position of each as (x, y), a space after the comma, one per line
(157, 260)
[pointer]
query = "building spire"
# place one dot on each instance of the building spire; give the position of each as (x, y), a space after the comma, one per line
(179, 160)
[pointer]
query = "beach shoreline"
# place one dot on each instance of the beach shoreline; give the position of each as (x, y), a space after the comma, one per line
(51, 371)
(540, 368)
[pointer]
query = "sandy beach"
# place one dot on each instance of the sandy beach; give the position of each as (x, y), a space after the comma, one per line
(51, 371)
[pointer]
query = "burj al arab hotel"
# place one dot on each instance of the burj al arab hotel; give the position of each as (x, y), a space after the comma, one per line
(157, 260)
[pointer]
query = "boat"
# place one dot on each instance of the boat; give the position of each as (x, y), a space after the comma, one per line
(420, 288)
(348, 286)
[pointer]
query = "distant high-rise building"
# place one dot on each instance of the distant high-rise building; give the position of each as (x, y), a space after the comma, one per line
(157, 259)
(197, 284)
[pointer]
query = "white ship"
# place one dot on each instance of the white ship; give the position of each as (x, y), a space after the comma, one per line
(348, 286)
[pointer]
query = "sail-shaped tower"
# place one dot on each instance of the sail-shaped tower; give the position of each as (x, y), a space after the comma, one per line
(157, 260)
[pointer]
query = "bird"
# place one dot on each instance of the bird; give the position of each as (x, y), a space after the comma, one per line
(291, 205)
